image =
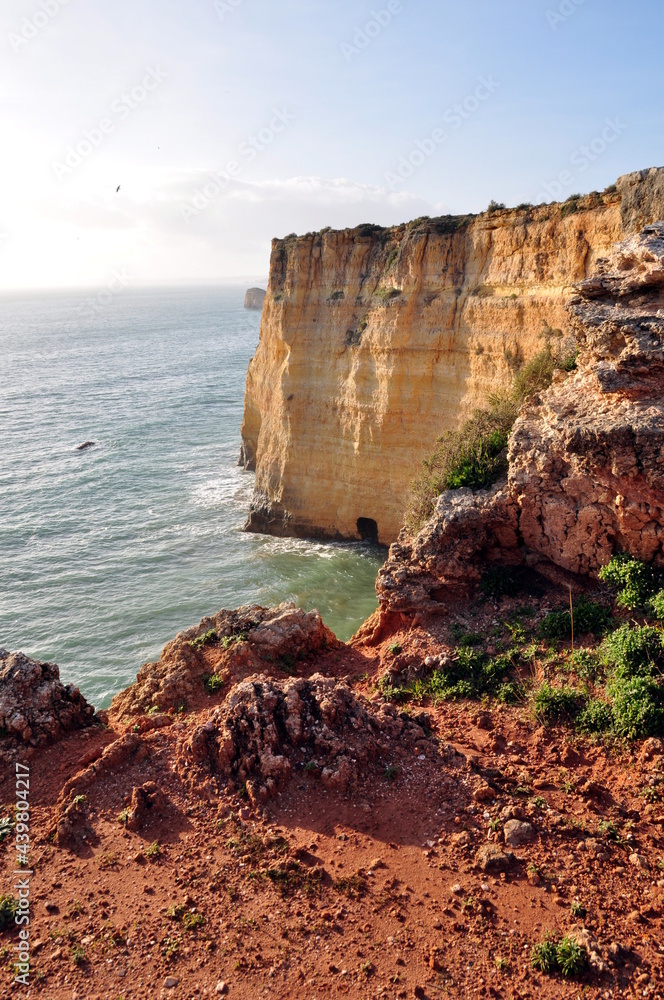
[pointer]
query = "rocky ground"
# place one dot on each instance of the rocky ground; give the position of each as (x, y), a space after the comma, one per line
(318, 827)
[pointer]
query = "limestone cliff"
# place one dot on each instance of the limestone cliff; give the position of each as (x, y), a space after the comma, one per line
(586, 457)
(374, 341)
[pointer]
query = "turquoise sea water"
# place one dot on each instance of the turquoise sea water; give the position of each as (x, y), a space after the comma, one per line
(106, 553)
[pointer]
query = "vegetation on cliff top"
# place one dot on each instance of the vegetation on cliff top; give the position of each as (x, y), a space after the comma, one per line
(610, 683)
(475, 456)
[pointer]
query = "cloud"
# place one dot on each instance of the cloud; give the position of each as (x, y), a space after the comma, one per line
(145, 227)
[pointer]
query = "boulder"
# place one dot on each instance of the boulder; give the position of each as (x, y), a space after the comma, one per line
(35, 707)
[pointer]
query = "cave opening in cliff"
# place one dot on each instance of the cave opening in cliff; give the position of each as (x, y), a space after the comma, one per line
(367, 529)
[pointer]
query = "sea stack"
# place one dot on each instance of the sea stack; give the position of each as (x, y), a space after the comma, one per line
(254, 298)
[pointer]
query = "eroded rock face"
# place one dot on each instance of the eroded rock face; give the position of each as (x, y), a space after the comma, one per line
(34, 706)
(374, 341)
(586, 457)
(468, 529)
(267, 729)
(232, 645)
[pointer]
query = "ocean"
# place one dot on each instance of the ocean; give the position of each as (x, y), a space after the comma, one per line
(106, 553)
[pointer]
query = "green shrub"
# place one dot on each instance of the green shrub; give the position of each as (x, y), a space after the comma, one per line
(634, 650)
(638, 707)
(213, 683)
(571, 957)
(656, 606)
(565, 956)
(596, 717)
(204, 640)
(636, 582)
(543, 956)
(474, 456)
(588, 617)
(553, 704)
(8, 907)
(586, 663)
(495, 206)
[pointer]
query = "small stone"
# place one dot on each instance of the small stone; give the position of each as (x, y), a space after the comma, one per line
(639, 861)
(222, 987)
(517, 833)
(491, 858)
(170, 982)
(457, 889)
(51, 907)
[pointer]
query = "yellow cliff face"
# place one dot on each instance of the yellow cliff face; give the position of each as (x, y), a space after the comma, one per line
(374, 341)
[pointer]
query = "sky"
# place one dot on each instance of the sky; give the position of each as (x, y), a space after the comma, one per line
(225, 123)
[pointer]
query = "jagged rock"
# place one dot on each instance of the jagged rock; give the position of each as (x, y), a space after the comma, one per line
(146, 800)
(491, 858)
(34, 706)
(73, 823)
(586, 457)
(231, 644)
(447, 555)
(267, 729)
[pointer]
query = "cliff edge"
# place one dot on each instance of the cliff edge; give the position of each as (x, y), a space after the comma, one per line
(374, 341)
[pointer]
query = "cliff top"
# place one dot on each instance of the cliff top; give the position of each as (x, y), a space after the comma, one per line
(634, 190)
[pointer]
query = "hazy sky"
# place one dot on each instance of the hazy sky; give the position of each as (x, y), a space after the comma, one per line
(309, 112)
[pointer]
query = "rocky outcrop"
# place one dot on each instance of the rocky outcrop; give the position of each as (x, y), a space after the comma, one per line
(268, 730)
(35, 707)
(254, 298)
(374, 341)
(229, 646)
(586, 458)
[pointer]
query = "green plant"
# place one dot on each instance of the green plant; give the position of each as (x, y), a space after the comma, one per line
(571, 957)
(78, 955)
(391, 773)
(230, 640)
(586, 663)
(213, 683)
(394, 649)
(495, 206)
(638, 707)
(588, 617)
(543, 956)
(596, 717)
(79, 800)
(540, 802)
(153, 851)
(552, 704)
(577, 909)
(6, 827)
(8, 908)
(391, 257)
(205, 640)
(656, 605)
(636, 582)
(634, 650)
(501, 963)
(474, 456)
(191, 921)
(123, 816)
(352, 886)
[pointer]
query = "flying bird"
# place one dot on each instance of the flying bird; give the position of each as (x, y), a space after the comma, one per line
(118, 188)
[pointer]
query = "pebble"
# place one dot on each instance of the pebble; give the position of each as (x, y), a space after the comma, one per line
(170, 982)
(222, 987)
(517, 833)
